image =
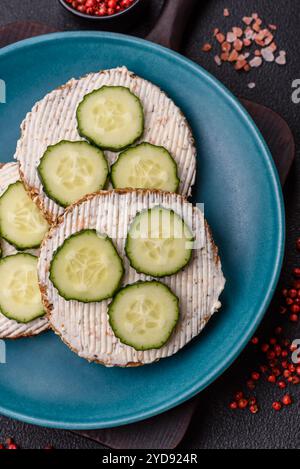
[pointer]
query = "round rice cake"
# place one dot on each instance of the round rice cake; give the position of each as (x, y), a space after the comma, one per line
(10, 329)
(54, 119)
(85, 327)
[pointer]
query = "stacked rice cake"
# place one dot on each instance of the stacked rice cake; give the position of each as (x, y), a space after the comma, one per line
(53, 119)
(84, 327)
(10, 329)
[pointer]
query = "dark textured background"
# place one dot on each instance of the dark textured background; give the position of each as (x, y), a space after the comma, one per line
(213, 426)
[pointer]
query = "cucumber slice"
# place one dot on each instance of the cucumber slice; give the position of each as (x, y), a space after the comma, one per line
(112, 118)
(159, 243)
(21, 222)
(86, 267)
(145, 166)
(144, 315)
(20, 296)
(70, 170)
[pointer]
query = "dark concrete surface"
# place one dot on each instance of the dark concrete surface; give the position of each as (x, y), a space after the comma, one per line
(214, 425)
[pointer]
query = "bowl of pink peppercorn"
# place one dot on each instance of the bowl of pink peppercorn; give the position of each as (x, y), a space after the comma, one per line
(106, 11)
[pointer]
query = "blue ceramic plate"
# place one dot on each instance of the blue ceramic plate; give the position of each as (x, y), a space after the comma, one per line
(43, 382)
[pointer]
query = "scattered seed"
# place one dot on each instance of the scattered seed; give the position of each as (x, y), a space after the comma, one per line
(239, 395)
(12, 446)
(279, 369)
(263, 368)
(281, 384)
(287, 400)
(277, 406)
(265, 348)
(250, 384)
(242, 403)
(294, 318)
(296, 272)
(255, 376)
(253, 409)
(252, 401)
(295, 309)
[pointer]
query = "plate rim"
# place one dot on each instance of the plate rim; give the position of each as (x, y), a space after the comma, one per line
(278, 259)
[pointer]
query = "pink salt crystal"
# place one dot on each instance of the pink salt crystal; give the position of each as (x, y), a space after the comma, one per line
(269, 39)
(249, 34)
(247, 20)
(226, 12)
(218, 60)
(267, 54)
(273, 47)
(281, 59)
(220, 38)
(255, 62)
(238, 32)
(262, 34)
(238, 45)
(231, 37)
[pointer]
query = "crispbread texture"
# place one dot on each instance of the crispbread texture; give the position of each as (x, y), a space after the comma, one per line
(85, 327)
(54, 119)
(9, 329)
